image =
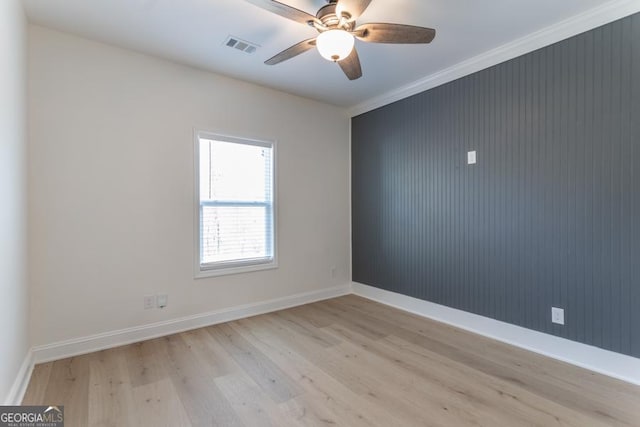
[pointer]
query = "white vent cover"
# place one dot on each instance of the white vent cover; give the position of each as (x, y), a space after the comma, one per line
(234, 42)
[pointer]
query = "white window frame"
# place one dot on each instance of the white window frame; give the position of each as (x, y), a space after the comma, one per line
(225, 268)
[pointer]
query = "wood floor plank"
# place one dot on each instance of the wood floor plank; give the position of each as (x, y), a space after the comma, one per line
(145, 362)
(204, 402)
(352, 320)
(459, 382)
(318, 385)
(262, 370)
(252, 406)
(110, 391)
(346, 361)
(158, 404)
(35, 391)
(68, 385)
(314, 317)
(304, 413)
(302, 327)
(445, 404)
(210, 353)
(365, 384)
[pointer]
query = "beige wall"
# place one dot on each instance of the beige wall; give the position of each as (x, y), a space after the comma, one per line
(14, 300)
(111, 187)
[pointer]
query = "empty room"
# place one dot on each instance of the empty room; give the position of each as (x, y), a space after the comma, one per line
(319, 212)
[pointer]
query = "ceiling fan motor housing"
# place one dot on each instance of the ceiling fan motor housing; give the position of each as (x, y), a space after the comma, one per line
(330, 19)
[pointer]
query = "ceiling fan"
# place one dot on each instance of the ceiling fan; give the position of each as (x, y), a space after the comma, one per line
(336, 23)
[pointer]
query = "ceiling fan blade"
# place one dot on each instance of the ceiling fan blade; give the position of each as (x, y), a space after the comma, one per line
(291, 52)
(284, 10)
(354, 7)
(394, 33)
(351, 65)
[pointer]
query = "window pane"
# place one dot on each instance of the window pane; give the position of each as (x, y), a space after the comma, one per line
(234, 233)
(236, 172)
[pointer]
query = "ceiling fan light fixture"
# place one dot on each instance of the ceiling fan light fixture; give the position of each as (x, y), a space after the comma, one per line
(335, 45)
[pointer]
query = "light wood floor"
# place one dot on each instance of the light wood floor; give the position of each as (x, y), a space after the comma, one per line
(346, 361)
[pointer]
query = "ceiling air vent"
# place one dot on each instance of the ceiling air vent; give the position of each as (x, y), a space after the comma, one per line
(241, 45)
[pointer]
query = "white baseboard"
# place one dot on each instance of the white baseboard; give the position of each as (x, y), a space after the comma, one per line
(612, 364)
(83, 345)
(22, 381)
(620, 366)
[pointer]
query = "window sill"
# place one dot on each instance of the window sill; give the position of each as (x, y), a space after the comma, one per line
(227, 270)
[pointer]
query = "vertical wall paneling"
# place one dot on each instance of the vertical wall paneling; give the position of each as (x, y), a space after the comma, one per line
(549, 215)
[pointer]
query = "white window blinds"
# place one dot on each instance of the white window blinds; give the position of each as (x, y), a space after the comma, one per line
(236, 202)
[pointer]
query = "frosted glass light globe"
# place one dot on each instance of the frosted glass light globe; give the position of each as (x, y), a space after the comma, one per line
(335, 45)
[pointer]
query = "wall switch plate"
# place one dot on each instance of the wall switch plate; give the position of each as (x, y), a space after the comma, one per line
(162, 299)
(149, 302)
(471, 158)
(557, 315)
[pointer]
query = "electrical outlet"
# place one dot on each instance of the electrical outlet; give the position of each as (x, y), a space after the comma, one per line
(149, 302)
(557, 315)
(162, 300)
(471, 158)
(332, 272)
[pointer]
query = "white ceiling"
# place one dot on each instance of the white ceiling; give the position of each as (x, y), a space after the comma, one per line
(193, 32)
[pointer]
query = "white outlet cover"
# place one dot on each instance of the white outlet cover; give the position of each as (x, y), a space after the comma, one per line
(471, 158)
(162, 300)
(557, 315)
(149, 302)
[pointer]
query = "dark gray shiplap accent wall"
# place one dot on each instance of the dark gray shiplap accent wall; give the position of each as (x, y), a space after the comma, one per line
(550, 215)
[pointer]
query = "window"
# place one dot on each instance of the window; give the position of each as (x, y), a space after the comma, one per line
(235, 187)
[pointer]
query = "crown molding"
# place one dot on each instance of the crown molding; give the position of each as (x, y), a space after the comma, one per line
(593, 18)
